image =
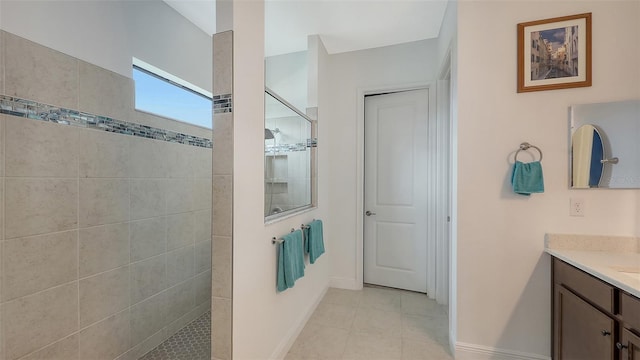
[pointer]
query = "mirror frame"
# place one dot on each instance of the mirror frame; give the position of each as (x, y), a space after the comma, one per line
(312, 145)
(613, 120)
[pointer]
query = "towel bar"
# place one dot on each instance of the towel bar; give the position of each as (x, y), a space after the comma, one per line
(275, 240)
(527, 146)
(303, 226)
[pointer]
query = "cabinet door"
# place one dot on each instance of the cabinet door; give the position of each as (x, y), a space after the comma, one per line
(629, 346)
(581, 331)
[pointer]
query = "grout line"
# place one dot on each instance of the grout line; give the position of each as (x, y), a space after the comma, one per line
(78, 225)
(41, 177)
(129, 264)
(103, 272)
(40, 291)
(119, 312)
(77, 83)
(41, 234)
(49, 344)
(2, 206)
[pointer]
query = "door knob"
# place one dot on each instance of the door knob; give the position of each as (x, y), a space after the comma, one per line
(605, 333)
(620, 346)
(369, 213)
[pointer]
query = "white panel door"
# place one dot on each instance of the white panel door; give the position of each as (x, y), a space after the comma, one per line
(395, 195)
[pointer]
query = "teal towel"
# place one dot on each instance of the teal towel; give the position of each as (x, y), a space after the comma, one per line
(290, 260)
(315, 242)
(527, 178)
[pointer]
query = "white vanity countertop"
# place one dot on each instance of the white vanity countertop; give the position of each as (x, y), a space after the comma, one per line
(620, 269)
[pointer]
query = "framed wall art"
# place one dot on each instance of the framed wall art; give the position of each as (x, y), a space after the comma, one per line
(554, 53)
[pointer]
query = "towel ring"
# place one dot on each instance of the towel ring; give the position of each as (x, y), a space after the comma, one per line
(527, 146)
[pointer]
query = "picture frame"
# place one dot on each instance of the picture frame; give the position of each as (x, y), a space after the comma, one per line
(554, 53)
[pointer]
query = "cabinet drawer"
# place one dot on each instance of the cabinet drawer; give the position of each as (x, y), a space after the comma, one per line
(630, 310)
(596, 291)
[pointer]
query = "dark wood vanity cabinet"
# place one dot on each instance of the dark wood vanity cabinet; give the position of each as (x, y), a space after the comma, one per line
(591, 318)
(582, 331)
(629, 345)
(583, 323)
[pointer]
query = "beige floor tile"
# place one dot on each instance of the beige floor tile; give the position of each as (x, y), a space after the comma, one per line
(425, 328)
(372, 347)
(381, 299)
(321, 342)
(291, 356)
(387, 324)
(420, 304)
(378, 322)
(422, 350)
(342, 297)
(334, 315)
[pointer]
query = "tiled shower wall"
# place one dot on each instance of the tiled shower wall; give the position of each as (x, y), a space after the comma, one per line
(105, 238)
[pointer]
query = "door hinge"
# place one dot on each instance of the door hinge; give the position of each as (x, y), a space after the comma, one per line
(448, 218)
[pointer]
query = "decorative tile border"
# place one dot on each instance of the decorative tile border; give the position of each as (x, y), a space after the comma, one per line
(43, 112)
(222, 104)
(283, 148)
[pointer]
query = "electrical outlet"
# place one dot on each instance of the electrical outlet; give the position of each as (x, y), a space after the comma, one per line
(576, 207)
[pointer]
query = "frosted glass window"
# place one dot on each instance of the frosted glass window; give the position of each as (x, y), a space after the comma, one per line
(159, 96)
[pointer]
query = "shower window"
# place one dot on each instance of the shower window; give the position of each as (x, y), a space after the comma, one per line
(158, 95)
(289, 153)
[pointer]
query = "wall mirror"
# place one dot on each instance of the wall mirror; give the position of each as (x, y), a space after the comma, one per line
(605, 151)
(288, 158)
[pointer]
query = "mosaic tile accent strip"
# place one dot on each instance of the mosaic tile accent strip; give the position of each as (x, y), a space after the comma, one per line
(222, 104)
(43, 112)
(283, 148)
(193, 342)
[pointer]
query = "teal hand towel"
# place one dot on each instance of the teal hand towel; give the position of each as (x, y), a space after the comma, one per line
(315, 241)
(290, 260)
(305, 235)
(527, 178)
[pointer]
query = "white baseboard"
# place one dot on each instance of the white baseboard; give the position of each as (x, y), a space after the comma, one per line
(344, 283)
(452, 337)
(283, 348)
(466, 351)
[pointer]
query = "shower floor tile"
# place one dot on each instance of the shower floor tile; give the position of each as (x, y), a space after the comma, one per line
(193, 342)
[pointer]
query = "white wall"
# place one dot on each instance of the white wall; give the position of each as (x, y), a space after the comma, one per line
(286, 75)
(389, 66)
(265, 323)
(447, 41)
(108, 33)
(503, 275)
(448, 30)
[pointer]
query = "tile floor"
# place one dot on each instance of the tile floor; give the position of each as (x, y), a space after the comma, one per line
(193, 342)
(374, 324)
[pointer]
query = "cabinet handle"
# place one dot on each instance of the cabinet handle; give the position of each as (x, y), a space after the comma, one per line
(620, 346)
(605, 333)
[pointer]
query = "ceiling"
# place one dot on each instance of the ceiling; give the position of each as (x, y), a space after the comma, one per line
(343, 25)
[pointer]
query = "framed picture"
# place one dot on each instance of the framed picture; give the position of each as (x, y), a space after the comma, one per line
(554, 53)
